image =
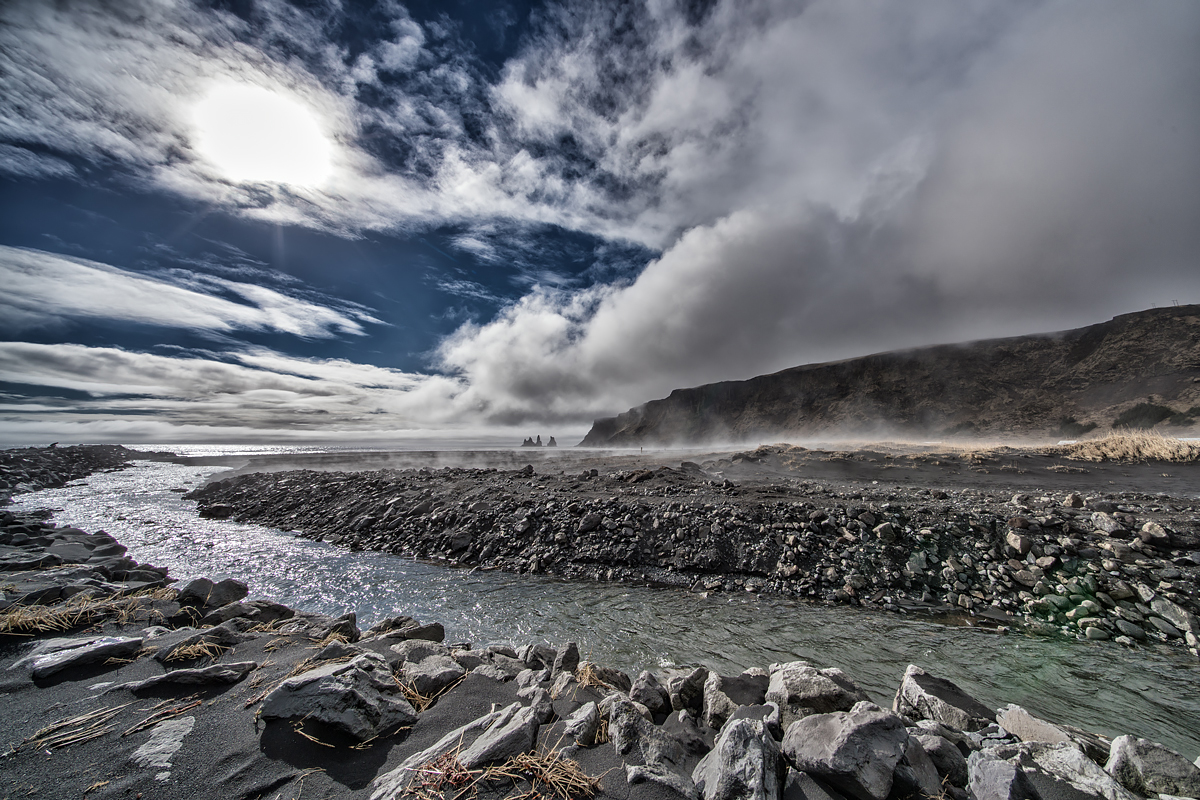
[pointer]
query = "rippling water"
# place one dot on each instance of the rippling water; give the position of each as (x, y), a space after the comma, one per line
(1152, 692)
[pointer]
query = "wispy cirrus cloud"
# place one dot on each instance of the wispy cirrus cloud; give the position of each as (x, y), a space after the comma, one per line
(42, 287)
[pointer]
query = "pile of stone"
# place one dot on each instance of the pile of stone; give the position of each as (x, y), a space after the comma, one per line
(1125, 567)
(29, 469)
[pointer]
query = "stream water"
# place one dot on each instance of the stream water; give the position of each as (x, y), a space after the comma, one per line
(1151, 692)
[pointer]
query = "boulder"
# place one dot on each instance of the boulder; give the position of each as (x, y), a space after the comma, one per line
(567, 658)
(1144, 767)
(947, 759)
(629, 730)
(744, 764)
(650, 693)
(856, 752)
(1028, 728)
(583, 725)
(1058, 770)
(924, 696)
(417, 650)
(215, 674)
(801, 689)
(608, 676)
(916, 773)
(260, 611)
(205, 593)
(433, 674)
(687, 691)
(994, 778)
(802, 786)
(358, 697)
(514, 732)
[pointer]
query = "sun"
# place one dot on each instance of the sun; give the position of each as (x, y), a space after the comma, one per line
(254, 134)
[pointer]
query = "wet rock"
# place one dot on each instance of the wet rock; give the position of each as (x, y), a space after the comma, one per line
(358, 697)
(1146, 767)
(431, 632)
(203, 592)
(925, 696)
(855, 752)
(745, 763)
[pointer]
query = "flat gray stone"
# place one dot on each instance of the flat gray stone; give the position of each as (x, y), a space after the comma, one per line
(215, 674)
(84, 651)
(582, 725)
(166, 738)
(513, 733)
(1061, 771)
(433, 673)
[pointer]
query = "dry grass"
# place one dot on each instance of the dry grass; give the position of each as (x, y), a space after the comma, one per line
(1130, 448)
(75, 612)
(419, 701)
(191, 652)
(164, 711)
(73, 730)
(587, 675)
(546, 771)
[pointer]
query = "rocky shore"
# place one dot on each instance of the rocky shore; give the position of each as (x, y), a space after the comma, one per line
(1120, 566)
(117, 684)
(29, 469)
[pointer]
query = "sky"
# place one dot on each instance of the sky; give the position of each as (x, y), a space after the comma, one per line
(272, 221)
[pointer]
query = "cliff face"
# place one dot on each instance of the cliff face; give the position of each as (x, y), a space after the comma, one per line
(1022, 385)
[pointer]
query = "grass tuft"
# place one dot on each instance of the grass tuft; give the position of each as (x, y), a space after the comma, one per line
(1130, 447)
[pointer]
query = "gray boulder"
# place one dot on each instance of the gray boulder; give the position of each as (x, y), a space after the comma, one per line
(433, 673)
(1059, 771)
(916, 773)
(994, 778)
(947, 759)
(211, 675)
(687, 691)
(650, 693)
(801, 689)
(567, 658)
(358, 697)
(1143, 766)
(513, 732)
(583, 725)
(417, 650)
(745, 764)
(1028, 728)
(629, 730)
(855, 752)
(924, 696)
(205, 593)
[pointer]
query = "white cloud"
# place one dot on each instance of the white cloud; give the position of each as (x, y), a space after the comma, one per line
(42, 287)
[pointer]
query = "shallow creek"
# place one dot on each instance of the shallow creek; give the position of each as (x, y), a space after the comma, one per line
(1152, 692)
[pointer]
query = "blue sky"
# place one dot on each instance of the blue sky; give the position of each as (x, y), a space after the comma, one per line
(267, 220)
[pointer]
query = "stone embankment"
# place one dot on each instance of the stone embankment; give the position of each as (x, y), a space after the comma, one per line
(1106, 566)
(125, 687)
(32, 468)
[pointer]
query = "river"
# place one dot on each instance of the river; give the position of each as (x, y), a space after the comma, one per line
(1152, 692)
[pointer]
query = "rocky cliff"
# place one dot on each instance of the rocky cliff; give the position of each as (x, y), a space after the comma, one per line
(1136, 370)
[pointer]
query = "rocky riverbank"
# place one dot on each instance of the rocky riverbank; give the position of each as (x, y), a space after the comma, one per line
(29, 469)
(1121, 566)
(117, 684)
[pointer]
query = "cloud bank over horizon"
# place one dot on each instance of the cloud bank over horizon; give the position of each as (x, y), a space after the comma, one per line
(808, 182)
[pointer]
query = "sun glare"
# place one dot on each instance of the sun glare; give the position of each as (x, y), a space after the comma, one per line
(254, 134)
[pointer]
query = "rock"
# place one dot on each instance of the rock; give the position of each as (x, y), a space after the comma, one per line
(1073, 500)
(261, 611)
(1028, 728)
(165, 740)
(211, 675)
(57, 655)
(1058, 771)
(650, 693)
(628, 729)
(1107, 523)
(1019, 542)
(744, 763)
(885, 532)
(947, 759)
(417, 650)
(687, 691)
(993, 778)
(1155, 535)
(767, 713)
(203, 592)
(432, 632)
(916, 773)
(1165, 627)
(433, 674)
(513, 733)
(802, 786)
(358, 697)
(677, 782)
(567, 658)
(1144, 767)
(800, 689)
(856, 752)
(217, 638)
(1096, 633)
(538, 656)
(612, 678)
(589, 523)
(924, 696)
(1130, 629)
(1178, 616)
(389, 624)
(583, 724)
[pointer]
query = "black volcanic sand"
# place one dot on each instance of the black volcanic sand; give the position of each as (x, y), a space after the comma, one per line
(1013, 536)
